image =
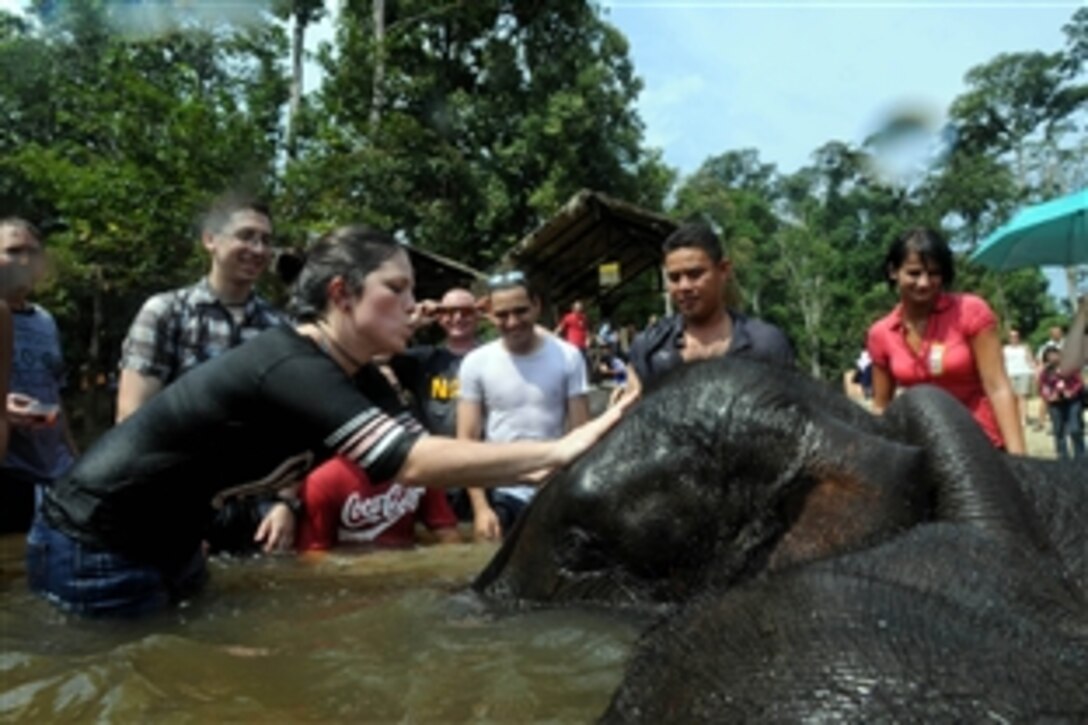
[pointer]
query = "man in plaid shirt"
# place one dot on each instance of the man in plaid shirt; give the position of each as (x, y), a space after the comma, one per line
(177, 330)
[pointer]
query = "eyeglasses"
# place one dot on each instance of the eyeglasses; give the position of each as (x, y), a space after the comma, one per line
(513, 277)
(253, 237)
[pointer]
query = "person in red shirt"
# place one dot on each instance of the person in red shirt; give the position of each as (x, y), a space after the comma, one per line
(1063, 393)
(341, 506)
(942, 338)
(574, 327)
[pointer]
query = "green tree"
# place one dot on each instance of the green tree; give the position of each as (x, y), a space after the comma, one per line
(301, 14)
(488, 117)
(120, 143)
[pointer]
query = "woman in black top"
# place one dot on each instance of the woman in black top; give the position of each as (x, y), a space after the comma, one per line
(120, 534)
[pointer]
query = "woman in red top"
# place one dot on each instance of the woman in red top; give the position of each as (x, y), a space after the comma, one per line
(942, 338)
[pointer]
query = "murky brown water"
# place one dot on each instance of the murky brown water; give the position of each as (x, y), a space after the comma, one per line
(349, 638)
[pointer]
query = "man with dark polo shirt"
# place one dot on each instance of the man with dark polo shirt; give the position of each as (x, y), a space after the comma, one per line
(458, 317)
(439, 365)
(696, 274)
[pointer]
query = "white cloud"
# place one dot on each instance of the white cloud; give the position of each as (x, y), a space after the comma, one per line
(665, 103)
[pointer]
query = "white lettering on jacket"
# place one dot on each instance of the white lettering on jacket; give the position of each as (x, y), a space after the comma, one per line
(364, 519)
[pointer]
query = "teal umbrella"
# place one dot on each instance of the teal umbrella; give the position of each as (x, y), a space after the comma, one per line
(1052, 233)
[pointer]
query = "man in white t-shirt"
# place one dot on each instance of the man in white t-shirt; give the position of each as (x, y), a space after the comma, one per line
(527, 385)
(1020, 366)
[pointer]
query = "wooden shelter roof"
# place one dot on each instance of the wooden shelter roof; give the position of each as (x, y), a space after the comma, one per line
(563, 256)
(436, 274)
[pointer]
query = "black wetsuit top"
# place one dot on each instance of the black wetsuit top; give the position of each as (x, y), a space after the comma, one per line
(252, 419)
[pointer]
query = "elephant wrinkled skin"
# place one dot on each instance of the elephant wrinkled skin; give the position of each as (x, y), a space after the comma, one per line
(815, 561)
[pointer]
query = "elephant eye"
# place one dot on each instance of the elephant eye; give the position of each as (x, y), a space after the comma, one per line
(580, 550)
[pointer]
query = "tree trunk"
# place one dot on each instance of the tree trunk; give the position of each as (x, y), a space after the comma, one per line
(379, 64)
(298, 40)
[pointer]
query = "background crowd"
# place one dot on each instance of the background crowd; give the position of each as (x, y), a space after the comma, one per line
(219, 384)
(116, 152)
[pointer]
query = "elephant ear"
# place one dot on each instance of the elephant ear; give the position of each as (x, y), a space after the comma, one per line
(970, 480)
(858, 489)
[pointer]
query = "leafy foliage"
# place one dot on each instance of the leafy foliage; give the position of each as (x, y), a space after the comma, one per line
(116, 145)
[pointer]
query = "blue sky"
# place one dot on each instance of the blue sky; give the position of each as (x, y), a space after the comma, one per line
(786, 77)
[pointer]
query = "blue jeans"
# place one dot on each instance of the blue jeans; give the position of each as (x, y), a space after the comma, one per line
(89, 580)
(1066, 418)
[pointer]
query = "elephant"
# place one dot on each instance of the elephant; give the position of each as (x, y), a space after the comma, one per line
(812, 560)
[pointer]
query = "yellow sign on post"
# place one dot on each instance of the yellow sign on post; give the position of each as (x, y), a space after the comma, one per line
(609, 274)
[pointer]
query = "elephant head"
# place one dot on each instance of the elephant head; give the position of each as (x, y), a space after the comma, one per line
(727, 468)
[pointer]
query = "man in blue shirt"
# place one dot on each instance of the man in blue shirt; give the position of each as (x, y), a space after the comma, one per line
(40, 447)
(696, 273)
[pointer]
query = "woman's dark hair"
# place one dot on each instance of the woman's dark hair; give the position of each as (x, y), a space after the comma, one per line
(350, 252)
(931, 248)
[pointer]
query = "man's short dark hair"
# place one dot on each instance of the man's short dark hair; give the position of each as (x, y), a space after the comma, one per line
(224, 207)
(697, 236)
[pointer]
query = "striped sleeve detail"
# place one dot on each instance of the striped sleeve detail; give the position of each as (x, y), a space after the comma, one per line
(367, 441)
(379, 443)
(336, 439)
(409, 422)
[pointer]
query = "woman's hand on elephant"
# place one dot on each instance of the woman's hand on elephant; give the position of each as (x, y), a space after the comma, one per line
(618, 393)
(579, 440)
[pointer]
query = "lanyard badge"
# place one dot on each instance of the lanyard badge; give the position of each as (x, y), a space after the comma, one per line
(935, 359)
